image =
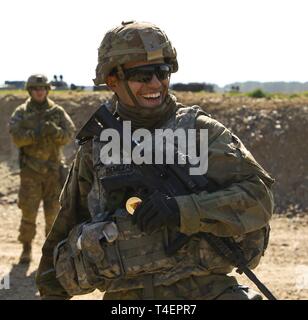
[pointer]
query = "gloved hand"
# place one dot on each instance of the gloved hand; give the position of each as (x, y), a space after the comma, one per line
(156, 211)
(50, 129)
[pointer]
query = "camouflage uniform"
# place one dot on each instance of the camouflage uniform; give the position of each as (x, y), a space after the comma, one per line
(40, 158)
(231, 211)
(241, 208)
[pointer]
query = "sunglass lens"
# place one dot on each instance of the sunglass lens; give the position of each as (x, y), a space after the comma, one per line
(141, 76)
(145, 73)
(162, 72)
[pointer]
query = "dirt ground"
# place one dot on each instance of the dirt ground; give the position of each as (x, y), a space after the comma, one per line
(284, 268)
(273, 130)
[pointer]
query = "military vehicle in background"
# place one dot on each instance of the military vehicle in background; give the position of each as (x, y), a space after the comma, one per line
(58, 84)
(76, 87)
(13, 85)
(233, 89)
(101, 87)
(193, 87)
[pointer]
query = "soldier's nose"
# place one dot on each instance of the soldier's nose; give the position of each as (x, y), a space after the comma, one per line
(154, 82)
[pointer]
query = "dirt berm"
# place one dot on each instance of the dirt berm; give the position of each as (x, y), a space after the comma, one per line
(274, 130)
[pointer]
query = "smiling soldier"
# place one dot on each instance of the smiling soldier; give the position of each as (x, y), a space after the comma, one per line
(96, 244)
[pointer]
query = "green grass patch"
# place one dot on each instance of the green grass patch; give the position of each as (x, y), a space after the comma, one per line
(17, 92)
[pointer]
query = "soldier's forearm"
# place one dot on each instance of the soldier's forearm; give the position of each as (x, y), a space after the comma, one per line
(65, 133)
(63, 138)
(26, 138)
(228, 212)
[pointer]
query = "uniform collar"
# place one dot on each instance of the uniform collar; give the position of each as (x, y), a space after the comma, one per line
(147, 118)
(39, 107)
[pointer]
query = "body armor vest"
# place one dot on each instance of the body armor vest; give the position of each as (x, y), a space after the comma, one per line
(112, 254)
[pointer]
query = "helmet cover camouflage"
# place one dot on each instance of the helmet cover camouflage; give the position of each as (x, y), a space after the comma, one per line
(37, 80)
(133, 41)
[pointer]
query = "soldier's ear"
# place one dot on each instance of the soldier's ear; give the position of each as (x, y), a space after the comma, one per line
(112, 82)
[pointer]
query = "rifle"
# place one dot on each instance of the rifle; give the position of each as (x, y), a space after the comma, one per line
(172, 180)
(34, 121)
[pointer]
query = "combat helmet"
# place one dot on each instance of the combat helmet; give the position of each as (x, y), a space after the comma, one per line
(37, 80)
(133, 41)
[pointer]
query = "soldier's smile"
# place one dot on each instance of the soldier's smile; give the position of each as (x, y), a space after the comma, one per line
(151, 99)
(150, 94)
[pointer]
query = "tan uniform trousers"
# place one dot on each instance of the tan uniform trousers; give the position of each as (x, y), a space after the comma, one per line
(35, 187)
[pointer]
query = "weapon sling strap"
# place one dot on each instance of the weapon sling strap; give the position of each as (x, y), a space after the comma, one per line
(227, 248)
(148, 290)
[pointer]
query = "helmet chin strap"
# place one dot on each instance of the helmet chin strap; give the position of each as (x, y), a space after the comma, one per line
(129, 91)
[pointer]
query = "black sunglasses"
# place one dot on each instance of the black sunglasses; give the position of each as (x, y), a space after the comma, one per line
(145, 73)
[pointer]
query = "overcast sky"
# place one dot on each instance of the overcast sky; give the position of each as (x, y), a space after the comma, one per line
(218, 41)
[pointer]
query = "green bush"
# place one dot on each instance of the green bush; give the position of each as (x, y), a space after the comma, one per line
(258, 93)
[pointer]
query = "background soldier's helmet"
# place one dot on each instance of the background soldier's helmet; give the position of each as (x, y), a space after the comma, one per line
(133, 41)
(37, 80)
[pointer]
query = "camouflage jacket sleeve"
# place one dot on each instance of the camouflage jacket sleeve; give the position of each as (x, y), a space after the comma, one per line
(244, 200)
(23, 130)
(67, 129)
(74, 210)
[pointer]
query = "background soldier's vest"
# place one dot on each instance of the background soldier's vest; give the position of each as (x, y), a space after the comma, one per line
(126, 262)
(41, 156)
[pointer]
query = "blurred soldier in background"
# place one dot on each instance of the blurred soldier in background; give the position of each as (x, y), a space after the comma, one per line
(39, 129)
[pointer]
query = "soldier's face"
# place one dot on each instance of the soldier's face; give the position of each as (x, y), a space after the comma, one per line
(38, 94)
(148, 94)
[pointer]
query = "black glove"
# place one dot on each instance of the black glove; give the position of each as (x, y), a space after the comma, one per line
(156, 211)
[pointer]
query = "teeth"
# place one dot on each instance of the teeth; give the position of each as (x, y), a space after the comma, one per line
(152, 95)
